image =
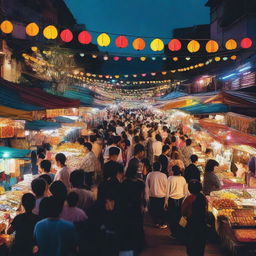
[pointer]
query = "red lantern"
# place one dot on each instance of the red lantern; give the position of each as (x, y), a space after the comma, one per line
(174, 45)
(116, 58)
(129, 58)
(66, 36)
(246, 43)
(84, 37)
(121, 42)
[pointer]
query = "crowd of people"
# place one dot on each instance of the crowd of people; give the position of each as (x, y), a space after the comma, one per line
(136, 163)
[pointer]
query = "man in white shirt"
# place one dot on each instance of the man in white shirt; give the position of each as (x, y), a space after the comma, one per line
(187, 152)
(116, 140)
(119, 128)
(156, 187)
(157, 146)
(96, 146)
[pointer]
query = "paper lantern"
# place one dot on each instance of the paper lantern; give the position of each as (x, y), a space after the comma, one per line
(233, 57)
(153, 74)
(105, 58)
(164, 58)
(84, 37)
(153, 58)
(94, 56)
(121, 42)
(174, 45)
(157, 45)
(129, 58)
(6, 27)
(188, 58)
(173, 71)
(246, 43)
(193, 46)
(231, 45)
(175, 58)
(66, 35)
(32, 29)
(212, 46)
(50, 32)
(116, 58)
(103, 40)
(134, 75)
(34, 48)
(164, 73)
(143, 58)
(138, 44)
(143, 75)
(217, 59)
(225, 58)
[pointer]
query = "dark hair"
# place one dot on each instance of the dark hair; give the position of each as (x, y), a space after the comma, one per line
(46, 165)
(147, 164)
(182, 138)
(114, 151)
(88, 145)
(158, 137)
(59, 190)
(188, 142)
(47, 178)
(40, 150)
(131, 171)
(136, 139)
(175, 155)
(165, 148)
(47, 146)
(77, 178)
(174, 148)
(110, 141)
(41, 156)
(156, 166)
(60, 157)
(195, 187)
(210, 165)
(173, 139)
(50, 207)
(80, 140)
(127, 143)
(208, 151)
(38, 187)
(138, 148)
(176, 170)
(167, 141)
(93, 138)
(72, 199)
(194, 158)
(28, 201)
(116, 139)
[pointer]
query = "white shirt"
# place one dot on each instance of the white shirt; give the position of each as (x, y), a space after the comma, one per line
(106, 155)
(119, 130)
(90, 163)
(63, 175)
(176, 187)
(156, 185)
(157, 148)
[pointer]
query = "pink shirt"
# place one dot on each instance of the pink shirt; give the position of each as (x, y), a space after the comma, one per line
(73, 214)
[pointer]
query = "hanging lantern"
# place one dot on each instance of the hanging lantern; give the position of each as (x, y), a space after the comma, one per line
(153, 74)
(164, 58)
(193, 46)
(174, 45)
(143, 75)
(173, 71)
(116, 58)
(175, 58)
(246, 43)
(6, 27)
(157, 45)
(94, 56)
(231, 45)
(126, 76)
(34, 48)
(225, 58)
(129, 58)
(50, 32)
(143, 58)
(66, 35)
(233, 57)
(81, 54)
(188, 58)
(212, 46)
(103, 40)
(105, 58)
(121, 42)
(138, 44)
(153, 58)
(134, 75)
(217, 59)
(164, 73)
(32, 29)
(84, 37)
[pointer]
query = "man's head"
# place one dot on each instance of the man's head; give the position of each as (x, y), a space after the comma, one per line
(72, 199)
(188, 142)
(77, 178)
(195, 187)
(139, 151)
(50, 207)
(46, 166)
(156, 166)
(166, 149)
(59, 191)
(194, 158)
(158, 137)
(28, 201)
(88, 147)
(114, 153)
(60, 159)
(38, 187)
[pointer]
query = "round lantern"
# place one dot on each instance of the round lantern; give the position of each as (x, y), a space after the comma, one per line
(217, 59)
(134, 75)
(164, 73)
(103, 40)
(193, 46)
(138, 44)
(84, 37)
(231, 45)
(143, 75)
(246, 43)
(34, 48)
(129, 58)
(164, 58)
(66, 35)
(32, 29)
(153, 58)
(157, 45)
(94, 56)
(121, 42)
(6, 27)
(105, 58)
(175, 58)
(174, 45)
(153, 74)
(188, 58)
(143, 58)
(233, 57)
(212, 46)
(116, 58)
(50, 32)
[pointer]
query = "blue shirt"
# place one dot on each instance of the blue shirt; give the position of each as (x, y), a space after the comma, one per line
(55, 237)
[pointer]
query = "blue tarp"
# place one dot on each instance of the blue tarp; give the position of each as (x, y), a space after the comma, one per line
(85, 99)
(205, 109)
(62, 119)
(38, 125)
(11, 153)
(173, 95)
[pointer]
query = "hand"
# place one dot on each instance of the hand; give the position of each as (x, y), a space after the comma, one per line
(166, 205)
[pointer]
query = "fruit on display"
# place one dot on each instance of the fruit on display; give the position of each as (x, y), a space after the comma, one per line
(228, 195)
(243, 217)
(246, 235)
(225, 212)
(224, 204)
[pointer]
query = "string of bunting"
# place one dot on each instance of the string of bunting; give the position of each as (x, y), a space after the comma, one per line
(51, 32)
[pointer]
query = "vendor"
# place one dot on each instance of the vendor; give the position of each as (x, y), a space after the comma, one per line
(251, 176)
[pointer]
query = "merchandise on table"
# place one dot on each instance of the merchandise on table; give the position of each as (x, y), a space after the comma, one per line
(245, 235)
(224, 204)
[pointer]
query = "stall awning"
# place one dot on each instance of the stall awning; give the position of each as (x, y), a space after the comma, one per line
(38, 125)
(177, 104)
(13, 113)
(12, 153)
(85, 99)
(62, 119)
(200, 109)
(173, 95)
(228, 136)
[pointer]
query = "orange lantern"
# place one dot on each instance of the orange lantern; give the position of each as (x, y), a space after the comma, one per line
(6, 27)
(193, 46)
(138, 44)
(174, 45)
(32, 29)
(103, 40)
(121, 42)
(212, 46)
(175, 58)
(50, 32)
(217, 59)
(231, 44)
(164, 73)
(233, 57)
(157, 45)
(143, 58)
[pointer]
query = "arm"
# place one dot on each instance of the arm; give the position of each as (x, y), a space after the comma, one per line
(147, 187)
(217, 183)
(167, 191)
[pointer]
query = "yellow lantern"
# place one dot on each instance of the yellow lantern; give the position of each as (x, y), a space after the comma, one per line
(6, 27)
(50, 32)
(193, 46)
(175, 58)
(117, 76)
(32, 29)
(217, 59)
(234, 57)
(103, 40)
(231, 45)
(157, 45)
(143, 58)
(212, 46)
(34, 48)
